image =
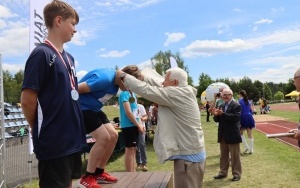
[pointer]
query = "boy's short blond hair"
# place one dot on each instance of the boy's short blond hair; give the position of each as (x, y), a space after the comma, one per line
(58, 8)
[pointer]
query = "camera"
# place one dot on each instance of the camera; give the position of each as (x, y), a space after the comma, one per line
(218, 94)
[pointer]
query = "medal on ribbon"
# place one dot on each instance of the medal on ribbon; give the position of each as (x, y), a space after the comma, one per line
(74, 92)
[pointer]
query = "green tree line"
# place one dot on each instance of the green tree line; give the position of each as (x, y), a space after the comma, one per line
(12, 86)
(161, 62)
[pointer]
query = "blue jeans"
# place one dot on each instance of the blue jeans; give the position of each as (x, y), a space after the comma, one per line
(141, 156)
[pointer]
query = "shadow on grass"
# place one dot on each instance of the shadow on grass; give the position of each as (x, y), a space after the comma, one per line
(116, 155)
(213, 157)
(218, 183)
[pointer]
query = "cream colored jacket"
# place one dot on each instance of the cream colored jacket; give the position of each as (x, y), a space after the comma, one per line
(179, 130)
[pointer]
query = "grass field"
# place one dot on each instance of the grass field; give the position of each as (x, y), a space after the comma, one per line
(273, 163)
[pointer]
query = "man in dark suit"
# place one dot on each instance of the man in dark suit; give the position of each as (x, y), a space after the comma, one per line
(228, 117)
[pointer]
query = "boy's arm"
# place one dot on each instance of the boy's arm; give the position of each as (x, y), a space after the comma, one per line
(131, 116)
(83, 88)
(29, 105)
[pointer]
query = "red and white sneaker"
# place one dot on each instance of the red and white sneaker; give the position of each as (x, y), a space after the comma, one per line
(88, 182)
(105, 178)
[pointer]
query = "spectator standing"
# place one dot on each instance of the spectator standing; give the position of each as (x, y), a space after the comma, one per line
(266, 107)
(247, 122)
(298, 101)
(50, 101)
(217, 101)
(150, 111)
(261, 105)
(131, 126)
(207, 106)
(154, 113)
(253, 107)
(141, 154)
(22, 133)
(228, 116)
(179, 135)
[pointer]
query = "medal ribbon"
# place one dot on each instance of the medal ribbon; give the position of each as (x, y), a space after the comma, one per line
(71, 75)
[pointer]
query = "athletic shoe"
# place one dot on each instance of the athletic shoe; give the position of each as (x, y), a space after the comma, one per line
(88, 182)
(105, 178)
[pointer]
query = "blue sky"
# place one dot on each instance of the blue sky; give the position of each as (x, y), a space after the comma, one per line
(231, 39)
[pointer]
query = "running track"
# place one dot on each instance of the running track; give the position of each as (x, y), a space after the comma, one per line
(279, 126)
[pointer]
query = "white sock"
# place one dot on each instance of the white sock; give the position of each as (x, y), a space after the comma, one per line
(245, 142)
(251, 144)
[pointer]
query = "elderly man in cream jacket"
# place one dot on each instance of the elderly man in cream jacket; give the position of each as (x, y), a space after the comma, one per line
(179, 135)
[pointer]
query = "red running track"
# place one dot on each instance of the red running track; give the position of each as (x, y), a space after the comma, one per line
(280, 126)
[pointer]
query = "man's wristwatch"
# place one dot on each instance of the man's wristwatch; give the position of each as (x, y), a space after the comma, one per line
(122, 76)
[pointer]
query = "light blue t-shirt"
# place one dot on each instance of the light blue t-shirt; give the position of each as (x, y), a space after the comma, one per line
(102, 88)
(124, 97)
(195, 158)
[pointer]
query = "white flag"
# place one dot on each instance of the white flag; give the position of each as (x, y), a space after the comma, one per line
(173, 62)
(37, 35)
(38, 30)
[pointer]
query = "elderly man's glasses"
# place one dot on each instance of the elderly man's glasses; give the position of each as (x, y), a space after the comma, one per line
(226, 94)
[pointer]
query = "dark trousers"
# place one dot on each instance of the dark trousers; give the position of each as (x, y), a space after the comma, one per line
(207, 116)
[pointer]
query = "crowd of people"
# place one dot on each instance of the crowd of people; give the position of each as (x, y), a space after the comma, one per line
(59, 120)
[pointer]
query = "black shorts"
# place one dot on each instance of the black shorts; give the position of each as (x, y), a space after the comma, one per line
(93, 120)
(59, 172)
(130, 136)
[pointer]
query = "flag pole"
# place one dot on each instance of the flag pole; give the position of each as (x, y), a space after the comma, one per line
(36, 36)
(3, 145)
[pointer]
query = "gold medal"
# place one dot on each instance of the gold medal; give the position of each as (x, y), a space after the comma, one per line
(131, 99)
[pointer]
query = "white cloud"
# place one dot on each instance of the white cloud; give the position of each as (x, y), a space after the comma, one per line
(115, 53)
(222, 29)
(105, 4)
(13, 68)
(276, 75)
(255, 28)
(2, 24)
(78, 38)
(15, 40)
(81, 74)
(277, 10)
(272, 68)
(120, 5)
(212, 47)
(145, 64)
(274, 60)
(237, 10)
(5, 12)
(264, 21)
(173, 38)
